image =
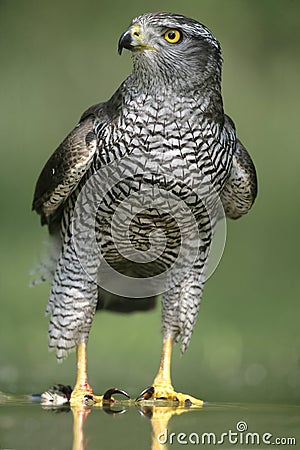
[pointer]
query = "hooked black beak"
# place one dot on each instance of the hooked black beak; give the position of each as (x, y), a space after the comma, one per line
(133, 40)
(126, 41)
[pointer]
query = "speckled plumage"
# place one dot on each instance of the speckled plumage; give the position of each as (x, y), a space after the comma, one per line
(167, 122)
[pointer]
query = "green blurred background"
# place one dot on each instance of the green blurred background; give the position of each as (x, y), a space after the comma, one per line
(59, 57)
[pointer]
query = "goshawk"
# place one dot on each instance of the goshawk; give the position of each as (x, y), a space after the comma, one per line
(132, 195)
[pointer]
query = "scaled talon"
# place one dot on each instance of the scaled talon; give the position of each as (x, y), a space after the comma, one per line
(146, 394)
(107, 396)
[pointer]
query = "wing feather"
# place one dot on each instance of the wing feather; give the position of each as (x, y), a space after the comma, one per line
(64, 169)
(240, 189)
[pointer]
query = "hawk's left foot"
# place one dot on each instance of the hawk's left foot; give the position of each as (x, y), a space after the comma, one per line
(166, 392)
(162, 388)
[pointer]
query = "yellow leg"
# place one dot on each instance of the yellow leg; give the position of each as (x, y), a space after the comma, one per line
(83, 392)
(163, 389)
(82, 379)
(162, 381)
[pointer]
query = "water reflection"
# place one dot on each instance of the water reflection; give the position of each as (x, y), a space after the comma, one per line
(25, 424)
(79, 417)
(159, 417)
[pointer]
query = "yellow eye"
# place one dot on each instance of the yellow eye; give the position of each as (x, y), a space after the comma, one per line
(173, 36)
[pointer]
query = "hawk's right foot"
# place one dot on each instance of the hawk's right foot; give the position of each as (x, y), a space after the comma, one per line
(85, 396)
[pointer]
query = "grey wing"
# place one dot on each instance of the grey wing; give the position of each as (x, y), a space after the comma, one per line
(240, 190)
(65, 168)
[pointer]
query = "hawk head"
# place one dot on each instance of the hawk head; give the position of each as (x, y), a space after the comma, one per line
(172, 45)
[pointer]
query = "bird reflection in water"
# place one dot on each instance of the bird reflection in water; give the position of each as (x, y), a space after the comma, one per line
(158, 412)
(79, 417)
(159, 417)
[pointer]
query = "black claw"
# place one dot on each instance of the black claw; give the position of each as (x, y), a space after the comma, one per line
(88, 400)
(146, 412)
(109, 410)
(146, 394)
(107, 401)
(187, 402)
(110, 392)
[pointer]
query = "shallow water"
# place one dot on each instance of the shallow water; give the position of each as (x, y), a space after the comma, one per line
(25, 424)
